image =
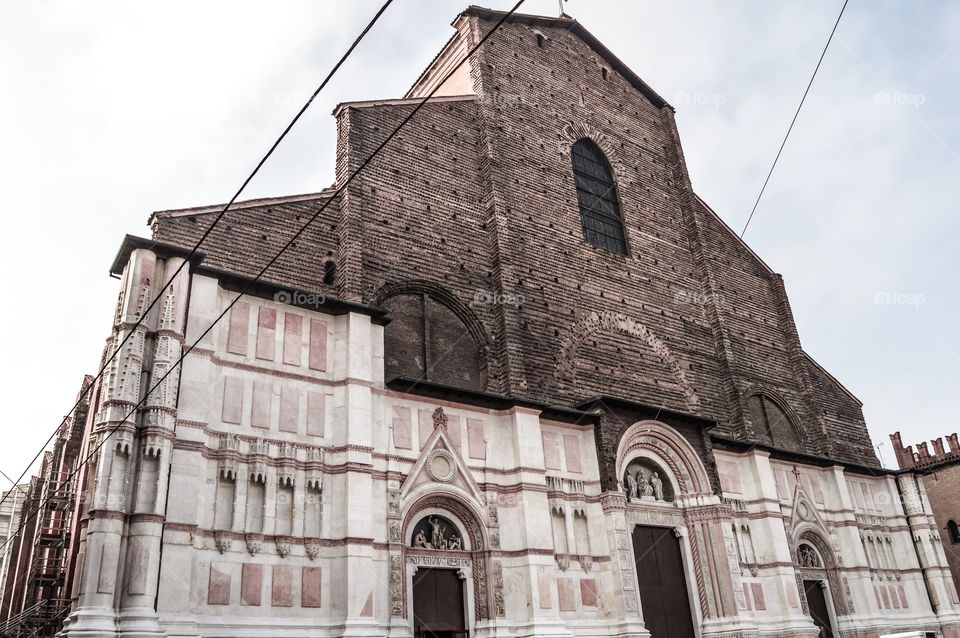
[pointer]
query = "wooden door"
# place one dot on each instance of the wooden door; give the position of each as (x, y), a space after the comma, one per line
(663, 585)
(817, 603)
(438, 604)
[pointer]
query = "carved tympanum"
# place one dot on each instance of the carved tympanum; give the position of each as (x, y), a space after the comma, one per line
(437, 532)
(644, 480)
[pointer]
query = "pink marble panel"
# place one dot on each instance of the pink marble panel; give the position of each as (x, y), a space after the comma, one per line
(251, 584)
(588, 592)
(453, 429)
(730, 477)
(885, 597)
(367, 611)
(107, 579)
(543, 584)
(81, 562)
(783, 489)
(903, 597)
(218, 589)
(551, 451)
(894, 598)
(239, 327)
(315, 413)
(425, 422)
(817, 489)
(401, 427)
(292, 338)
(282, 594)
(232, 399)
(746, 597)
(139, 561)
(571, 451)
(318, 345)
(310, 588)
(568, 596)
(476, 445)
(260, 413)
(289, 409)
(758, 599)
(792, 598)
(266, 334)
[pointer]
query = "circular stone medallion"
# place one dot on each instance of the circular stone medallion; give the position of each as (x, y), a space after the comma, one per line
(440, 466)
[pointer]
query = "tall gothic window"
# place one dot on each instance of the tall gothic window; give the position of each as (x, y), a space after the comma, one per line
(597, 195)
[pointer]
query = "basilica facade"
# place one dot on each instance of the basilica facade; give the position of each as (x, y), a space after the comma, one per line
(516, 379)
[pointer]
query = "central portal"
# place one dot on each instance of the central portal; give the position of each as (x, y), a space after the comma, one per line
(438, 604)
(663, 584)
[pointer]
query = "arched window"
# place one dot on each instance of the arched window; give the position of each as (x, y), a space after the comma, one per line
(954, 532)
(597, 195)
(772, 424)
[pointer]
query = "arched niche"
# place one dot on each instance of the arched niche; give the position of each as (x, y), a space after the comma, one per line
(814, 559)
(808, 557)
(656, 446)
(645, 480)
(452, 509)
(470, 560)
(774, 422)
(432, 336)
(437, 531)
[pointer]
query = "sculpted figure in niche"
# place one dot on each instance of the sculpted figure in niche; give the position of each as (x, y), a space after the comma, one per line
(631, 487)
(420, 540)
(657, 484)
(643, 480)
(436, 536)
(437, 532)
(645, 488)
(807, 557)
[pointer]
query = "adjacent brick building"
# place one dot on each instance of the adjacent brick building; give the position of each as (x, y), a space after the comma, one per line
(939, 470)
(39, 561)
(516, 378)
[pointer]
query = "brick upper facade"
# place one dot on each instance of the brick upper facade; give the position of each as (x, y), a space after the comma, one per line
(473, 205)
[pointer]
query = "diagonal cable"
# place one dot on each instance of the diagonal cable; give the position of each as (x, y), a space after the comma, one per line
(794, 120)
(251, 283)
(196, 247)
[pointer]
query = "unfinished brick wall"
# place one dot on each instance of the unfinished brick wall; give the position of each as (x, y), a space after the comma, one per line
(476, 198)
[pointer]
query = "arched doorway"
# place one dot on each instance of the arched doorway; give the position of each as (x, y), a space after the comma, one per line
(438, 593)
(670, 513)
(815, 573)
(446, 565)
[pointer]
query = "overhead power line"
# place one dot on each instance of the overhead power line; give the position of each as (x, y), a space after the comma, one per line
(794, 120)
(196, 247)
(252, 282)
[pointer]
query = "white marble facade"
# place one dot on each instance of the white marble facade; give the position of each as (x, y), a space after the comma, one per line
(272, 487)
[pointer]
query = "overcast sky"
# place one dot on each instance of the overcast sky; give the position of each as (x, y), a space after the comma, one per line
(114, 109)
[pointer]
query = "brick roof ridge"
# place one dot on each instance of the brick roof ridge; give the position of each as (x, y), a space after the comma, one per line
(733, 233)
(401, 101)
(247, 203)
(816, 363)
(576, 27)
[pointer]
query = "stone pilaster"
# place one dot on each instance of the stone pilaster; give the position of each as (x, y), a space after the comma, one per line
(628, 620)
(923, 529)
